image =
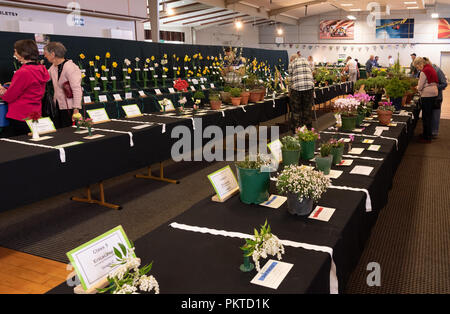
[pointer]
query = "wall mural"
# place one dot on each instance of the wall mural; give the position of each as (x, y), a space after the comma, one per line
(337, 29)
(444, 28)
(395, 28)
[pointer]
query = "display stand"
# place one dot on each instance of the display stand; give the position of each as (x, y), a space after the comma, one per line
(93, 290)
(161, 175)
(226, 197)
(100, 202)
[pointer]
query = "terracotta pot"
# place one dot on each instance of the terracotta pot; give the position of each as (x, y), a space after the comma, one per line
(226, 97)
(384, 117)
(236, 101)
(215, 104)
(263, 93)
(254, 96)
(245, 96)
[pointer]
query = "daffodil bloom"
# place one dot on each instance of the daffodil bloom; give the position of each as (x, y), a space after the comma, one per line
(91, 63)
(166, 69)
(147, 60)
(108, 55)
(82, 56)
(165, 56)
(195, 56)
(97, 58)
(103, 68)
(153, 58)
(129, 71)
(97, 75)
(114, 64)
(174, 56)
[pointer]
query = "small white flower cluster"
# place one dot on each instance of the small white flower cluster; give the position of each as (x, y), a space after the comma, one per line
(270, 246)
(148, 283)
(164, 61)
(126, 289)
(303, 182)
(346, 105)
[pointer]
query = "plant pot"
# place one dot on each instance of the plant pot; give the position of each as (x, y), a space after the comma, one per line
(290, 157)
(226, 97)
(245, 96)
(215, 104)
(236, 101)
(263, 94)
(360, 119)
(397, 103)
(384, 116)
(337, 153)
(307, 150)
(324, 163)
(254, 185)
(254, 96)
(3, 111)
(295, 207)
(348, 123)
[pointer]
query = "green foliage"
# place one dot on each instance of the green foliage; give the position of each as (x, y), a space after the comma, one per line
(260, 237)
(325, 150)
(396, 88)
(236, 92)
(227, 88)
(290, 143)
(214, 96)
(199, 95)
(252, 163)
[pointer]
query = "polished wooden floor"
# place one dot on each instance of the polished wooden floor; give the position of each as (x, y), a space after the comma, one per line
(22, 273)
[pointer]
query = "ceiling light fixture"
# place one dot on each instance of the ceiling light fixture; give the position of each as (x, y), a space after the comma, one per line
(347, 4)
(434, 15)
(412, 8)
(280, 31)
(238, 24)
(351, 17)
(170, 11)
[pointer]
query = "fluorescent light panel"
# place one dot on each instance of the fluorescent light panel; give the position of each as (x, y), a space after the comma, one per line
(351, 17)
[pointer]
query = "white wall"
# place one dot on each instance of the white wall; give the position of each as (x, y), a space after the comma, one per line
(227, 35)
(305, 38)
(93, 26)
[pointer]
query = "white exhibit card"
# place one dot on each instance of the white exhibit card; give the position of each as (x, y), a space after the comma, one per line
(195, 82)
(193, 88)
(362, 170)
(132, 111)
(44, 125)
(356, 151)
(41, 138)
(346, 162)
(98, 115)
(322, 213)
(87, 99)
(274, 201)
(275, 148)
(366, 141)
(171, 90)
(169, 106)
(94, 260)
(129, 96)
(272, 274)
(358, 130)
(374, 148)
(224, 182)
(345, 140)
(103, 98)
(158, 92)
(117, 97)
(142, 94)
(212, 85)
(203, 87)
(334, 174)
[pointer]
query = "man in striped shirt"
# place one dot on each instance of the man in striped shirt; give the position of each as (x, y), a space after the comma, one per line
(301, 92)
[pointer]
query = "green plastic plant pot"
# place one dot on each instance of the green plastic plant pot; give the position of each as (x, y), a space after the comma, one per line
(324, 164)
(360, 119)
(307, 150)
(290, 157)
(348, 123)
(337, 153)
(254, 185)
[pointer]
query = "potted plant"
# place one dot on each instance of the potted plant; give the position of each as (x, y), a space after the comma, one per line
(236, 96)
(307, 140)
(385, 111)
(303, 187)
(348, 109)
(214, 100)
(290, 150)
(325, 159)
(395, 90)
(245, 95)
(337, 150)
(364, 107)
(254, 180)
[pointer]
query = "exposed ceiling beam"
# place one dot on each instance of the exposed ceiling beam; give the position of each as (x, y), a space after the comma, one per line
(215, 22)
(210, 18)
(231, 2)
(169, 1)
(195, 16)
(193, 7)
(293, 7)
(254, 21)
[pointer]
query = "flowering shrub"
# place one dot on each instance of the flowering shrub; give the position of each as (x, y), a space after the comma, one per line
(346, 106)
(264, 244)
(365, 102)
(305, 135)
(304, 183)
(386, 106)
(336, 143)
(128, 278)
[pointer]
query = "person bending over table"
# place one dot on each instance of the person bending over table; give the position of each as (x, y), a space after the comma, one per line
(66, 78)
(24, 95)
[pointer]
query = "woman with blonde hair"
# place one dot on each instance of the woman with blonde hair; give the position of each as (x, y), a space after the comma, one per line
(428, 89)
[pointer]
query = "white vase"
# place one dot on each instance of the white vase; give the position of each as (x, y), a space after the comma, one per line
(34, 131)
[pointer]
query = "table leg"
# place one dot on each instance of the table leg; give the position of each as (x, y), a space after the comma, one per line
(101, 202)
(160, 178)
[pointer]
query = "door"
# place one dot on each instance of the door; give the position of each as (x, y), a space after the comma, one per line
(445, 63)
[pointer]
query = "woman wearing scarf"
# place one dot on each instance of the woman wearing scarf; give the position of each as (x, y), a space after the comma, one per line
(428, 89)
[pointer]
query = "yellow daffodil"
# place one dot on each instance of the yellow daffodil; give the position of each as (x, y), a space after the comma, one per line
(207, 57)
(174, 56)
(114, 64)
(178, 72)
(103, 68)
(97, 75)
(83, 75)
(215, 59)
(200, 57)
(153, 58)
(97, 58)
(129, 70)
(91, 63)
(178, 59)
(82, 56)
(147, 60)
(165, 56)
(195, 56)
(166, 69)
(198, 74)
(108, 55)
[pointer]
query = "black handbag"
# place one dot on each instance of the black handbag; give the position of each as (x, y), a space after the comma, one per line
(49, 108)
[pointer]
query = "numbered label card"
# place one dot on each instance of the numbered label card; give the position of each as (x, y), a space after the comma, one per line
(117, 97)
(129, 96)
(44, 125)
(169, 106)
(103, 98)
(87, 99)
(193, 88)
(275, 148)
(98, 115)
(132, 111)
(272, 274)
(171, 90)
(158, 92)
(142, 94)
(224, 182)
(195, 82)
(94, 260)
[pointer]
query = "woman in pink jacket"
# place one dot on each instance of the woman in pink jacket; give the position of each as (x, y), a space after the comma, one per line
(64, 73)
(24, 95)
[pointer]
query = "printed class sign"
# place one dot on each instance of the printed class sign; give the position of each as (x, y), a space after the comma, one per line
(224, 183)
(272, 274)
(93, 261)
(275, 148)
(168, 107)
(98, 115)
(44, 125)
(132, 111)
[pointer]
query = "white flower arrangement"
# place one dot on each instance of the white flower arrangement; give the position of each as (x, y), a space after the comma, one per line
(263, 245)
(303, 182)
(347, 106)
(128, 278)
(183, 101)
(165, 102)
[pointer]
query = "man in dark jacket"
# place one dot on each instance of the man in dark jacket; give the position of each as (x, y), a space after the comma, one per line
(369, 65)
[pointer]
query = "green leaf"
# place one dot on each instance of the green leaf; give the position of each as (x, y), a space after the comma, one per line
(117, 252)
(123, 248)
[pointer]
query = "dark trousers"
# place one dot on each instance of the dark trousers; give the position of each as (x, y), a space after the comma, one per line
(300, 104)
(427, 116)
(64, 118)
(17, 128)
